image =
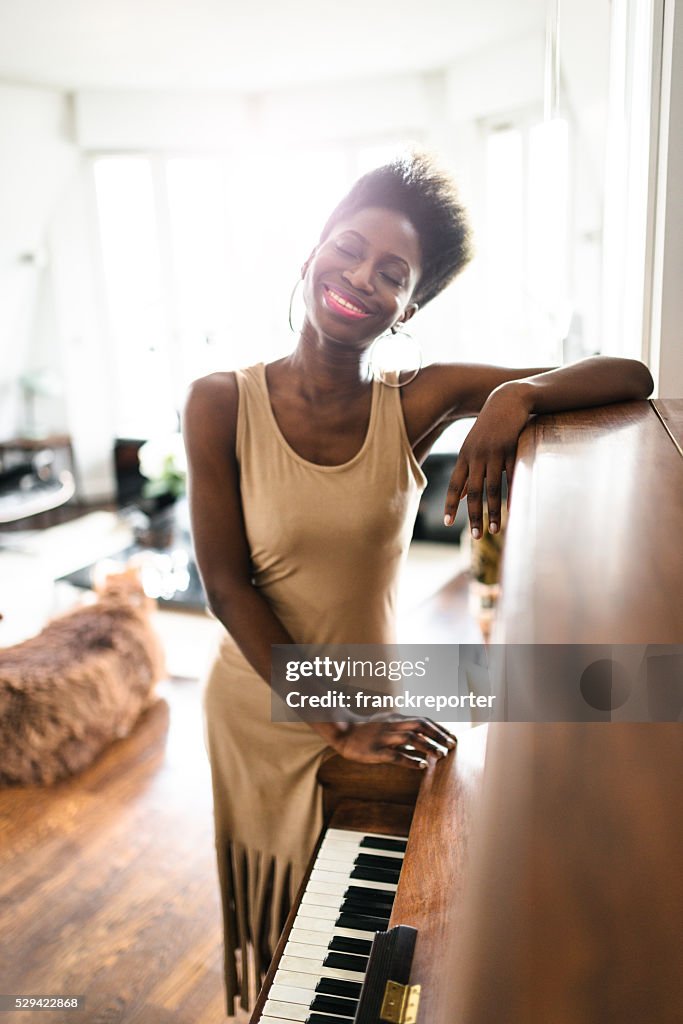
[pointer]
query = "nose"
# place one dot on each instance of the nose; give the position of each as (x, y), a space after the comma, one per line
(360, 276)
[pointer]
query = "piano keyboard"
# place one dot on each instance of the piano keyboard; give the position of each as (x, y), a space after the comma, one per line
(347, 900)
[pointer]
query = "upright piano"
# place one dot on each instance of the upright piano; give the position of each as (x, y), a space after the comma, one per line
(539, 864)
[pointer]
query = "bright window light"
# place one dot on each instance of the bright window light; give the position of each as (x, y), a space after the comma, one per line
(135, 299)
(504, 242)
(548, 217)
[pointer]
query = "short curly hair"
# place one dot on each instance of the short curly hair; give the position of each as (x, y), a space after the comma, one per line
(416, 186)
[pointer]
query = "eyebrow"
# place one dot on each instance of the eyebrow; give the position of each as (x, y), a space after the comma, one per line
(387, 255)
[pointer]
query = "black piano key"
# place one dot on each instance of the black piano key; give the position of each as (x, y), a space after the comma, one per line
(361, 923)
(378, 895)
(373, 843)
(336, 987)
(375, 874)
(335, 1004)
(340, 944)
(352, 905)
(322, 1018)
(374, 860)
(345, 962)
(381, 921)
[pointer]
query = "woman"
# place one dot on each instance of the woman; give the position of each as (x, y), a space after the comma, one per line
(304, 483)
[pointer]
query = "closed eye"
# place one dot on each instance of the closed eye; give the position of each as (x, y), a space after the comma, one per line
(391, 280)
(346, 252)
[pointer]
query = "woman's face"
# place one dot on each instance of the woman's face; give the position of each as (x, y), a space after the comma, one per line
(359, 281)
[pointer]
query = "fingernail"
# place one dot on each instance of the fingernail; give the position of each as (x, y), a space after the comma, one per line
(476, 533)
(451, 743)
(447, 520)
(423, 764)
(493, 527)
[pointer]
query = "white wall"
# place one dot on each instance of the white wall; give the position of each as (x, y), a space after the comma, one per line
(667, 284)
(50, 318)
(37, 159)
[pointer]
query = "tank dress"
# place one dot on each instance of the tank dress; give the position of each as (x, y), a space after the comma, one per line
(326, 544)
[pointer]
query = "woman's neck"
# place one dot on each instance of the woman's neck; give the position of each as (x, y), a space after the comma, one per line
(324, 368)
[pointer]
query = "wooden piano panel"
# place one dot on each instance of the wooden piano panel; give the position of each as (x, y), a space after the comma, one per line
(575, 890)
(574, 898)
(594, 546)
(432, 887)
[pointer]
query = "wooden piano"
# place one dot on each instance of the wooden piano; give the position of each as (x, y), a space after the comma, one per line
(542, 869)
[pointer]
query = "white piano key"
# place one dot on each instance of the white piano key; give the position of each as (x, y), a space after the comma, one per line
(272, 1020)
(329, 846)
(317, 936)
(337, 862)
(287, 1011)
(344, 867)
(328, 928)
(313, 950)
(320, 913)
(329, 888)
(312, 924)
(308, 938)
(325, 875)
(289, 994)
(307, 950)
(336, 878)
(315, 967)
(323, 899)
(350, 836)
(295, 979)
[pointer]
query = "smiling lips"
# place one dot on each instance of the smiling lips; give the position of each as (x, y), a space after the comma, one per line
(343, 305)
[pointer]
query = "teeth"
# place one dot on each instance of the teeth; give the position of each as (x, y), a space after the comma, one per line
(344, 302)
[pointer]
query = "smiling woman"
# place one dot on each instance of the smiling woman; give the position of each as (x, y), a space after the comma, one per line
(304, 481)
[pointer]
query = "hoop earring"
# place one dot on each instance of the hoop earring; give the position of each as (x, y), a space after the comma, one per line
(388, 357)
(290, 318)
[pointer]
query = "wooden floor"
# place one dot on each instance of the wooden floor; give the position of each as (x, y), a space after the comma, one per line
(107, 882)
(108, 886)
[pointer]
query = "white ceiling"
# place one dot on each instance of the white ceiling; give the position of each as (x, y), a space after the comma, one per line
(247, 46)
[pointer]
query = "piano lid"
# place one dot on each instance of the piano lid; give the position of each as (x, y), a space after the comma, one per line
(594, 546)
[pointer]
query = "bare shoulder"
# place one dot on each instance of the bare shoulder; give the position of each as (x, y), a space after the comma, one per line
(213, 390)
(210, 410)
(440, 393)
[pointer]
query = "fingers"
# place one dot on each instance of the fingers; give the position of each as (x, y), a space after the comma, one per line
(468, 480)
(475, 503)
(395, 740)
(494, 487)
(456, 489)
(424, 726)
(415, 743)
(418, 738)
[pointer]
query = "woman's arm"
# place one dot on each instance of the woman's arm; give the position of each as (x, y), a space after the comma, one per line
(491, 445)
(220, 544)
(222, 553)
(504, 399)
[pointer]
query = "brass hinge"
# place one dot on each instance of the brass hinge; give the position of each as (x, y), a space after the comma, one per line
(400, 1003)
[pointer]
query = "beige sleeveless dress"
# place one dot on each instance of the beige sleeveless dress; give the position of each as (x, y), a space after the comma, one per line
(326, 544)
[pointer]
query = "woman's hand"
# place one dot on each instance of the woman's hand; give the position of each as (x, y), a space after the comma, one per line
(391, 739)
(489, 449)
